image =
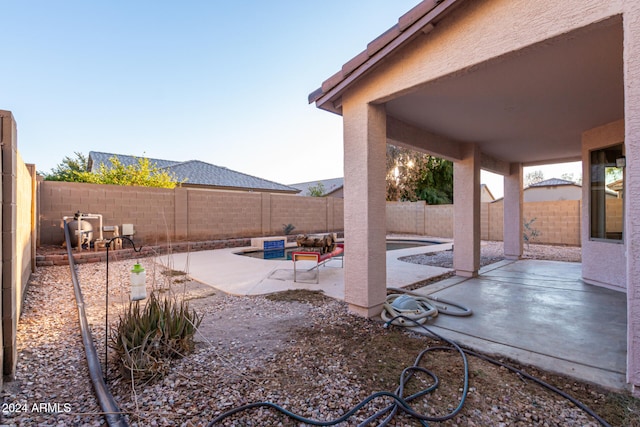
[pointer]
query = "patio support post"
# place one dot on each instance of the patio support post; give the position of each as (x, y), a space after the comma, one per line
(513, 217)
(364, 207)
(466, 212)
(631, 57)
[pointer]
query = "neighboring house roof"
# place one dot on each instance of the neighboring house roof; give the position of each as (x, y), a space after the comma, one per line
(553, 182)
(196, 173)
(484, 190)
(330, 186)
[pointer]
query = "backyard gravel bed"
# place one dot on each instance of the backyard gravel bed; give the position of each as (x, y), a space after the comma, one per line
(301, 350)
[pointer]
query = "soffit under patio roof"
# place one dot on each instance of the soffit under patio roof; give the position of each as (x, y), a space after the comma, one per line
(529, 106)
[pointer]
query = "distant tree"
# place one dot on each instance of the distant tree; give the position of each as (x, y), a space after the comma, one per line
(412, 175)
(569, 176)
(533, 177)
(143, 173)
(69, 169)
(613, 174)
(316, 190)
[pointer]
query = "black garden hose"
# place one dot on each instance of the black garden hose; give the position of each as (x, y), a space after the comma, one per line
(401, 403)
(112, 412)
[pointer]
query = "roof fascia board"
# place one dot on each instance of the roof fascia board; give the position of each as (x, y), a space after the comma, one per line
(324, 101)
(553, 161)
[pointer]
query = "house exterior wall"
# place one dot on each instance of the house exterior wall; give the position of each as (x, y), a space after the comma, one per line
(550, 193)
(631, 55)
(603, 263)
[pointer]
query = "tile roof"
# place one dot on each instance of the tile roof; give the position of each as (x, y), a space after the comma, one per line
(196, 172)
(330, 185)
(419, 20)
(552, 182)
(97, 157)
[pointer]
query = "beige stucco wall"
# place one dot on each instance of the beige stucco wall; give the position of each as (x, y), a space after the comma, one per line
(558, 192)
(603, 262)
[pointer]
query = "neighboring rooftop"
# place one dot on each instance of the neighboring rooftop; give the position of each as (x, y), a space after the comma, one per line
(196, 173)
(552, 182)
(332, 187)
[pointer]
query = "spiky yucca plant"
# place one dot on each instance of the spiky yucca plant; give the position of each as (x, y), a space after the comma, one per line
(146, 339)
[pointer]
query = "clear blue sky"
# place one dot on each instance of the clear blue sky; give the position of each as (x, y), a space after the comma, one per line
(225, 82)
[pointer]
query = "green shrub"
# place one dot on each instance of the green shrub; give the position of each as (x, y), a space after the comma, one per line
(288, 229)
(145, 340)
(530, 233)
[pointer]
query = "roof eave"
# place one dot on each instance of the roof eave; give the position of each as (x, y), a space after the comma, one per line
(418, 20)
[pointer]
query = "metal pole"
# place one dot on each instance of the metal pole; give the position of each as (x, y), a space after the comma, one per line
(106, 299)
(106, 318)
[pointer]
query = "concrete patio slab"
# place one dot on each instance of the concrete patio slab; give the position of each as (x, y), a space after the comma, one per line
(540, 313)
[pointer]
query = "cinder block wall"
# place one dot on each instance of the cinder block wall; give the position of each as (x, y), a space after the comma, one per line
(212, 214)
(183, 214)
(151, 210)
(192, 214)
(406, 217)
(495, 221)
(307, 214)
(17, 246)
(614, 215)
(438, 220)
(557, 222)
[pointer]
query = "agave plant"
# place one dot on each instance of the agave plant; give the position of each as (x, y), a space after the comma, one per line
(146, 339)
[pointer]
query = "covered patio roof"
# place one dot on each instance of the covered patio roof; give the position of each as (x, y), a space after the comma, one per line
(528, 106)
(497, 85)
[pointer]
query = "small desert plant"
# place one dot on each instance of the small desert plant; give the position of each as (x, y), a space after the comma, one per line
(530, 233)
(147, 339)
(288, 229)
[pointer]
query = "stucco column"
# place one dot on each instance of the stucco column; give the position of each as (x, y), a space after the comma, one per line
(513, 216)
(466, 212)
(365, 273)
(631, 57)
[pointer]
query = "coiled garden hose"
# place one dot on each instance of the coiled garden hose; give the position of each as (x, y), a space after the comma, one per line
(443, 305)
(414, 309)
(410, 305)
(401, 403)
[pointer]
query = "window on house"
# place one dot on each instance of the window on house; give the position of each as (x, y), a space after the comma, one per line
(607, 192)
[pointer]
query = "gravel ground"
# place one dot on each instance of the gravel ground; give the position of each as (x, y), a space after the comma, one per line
(305, 352)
